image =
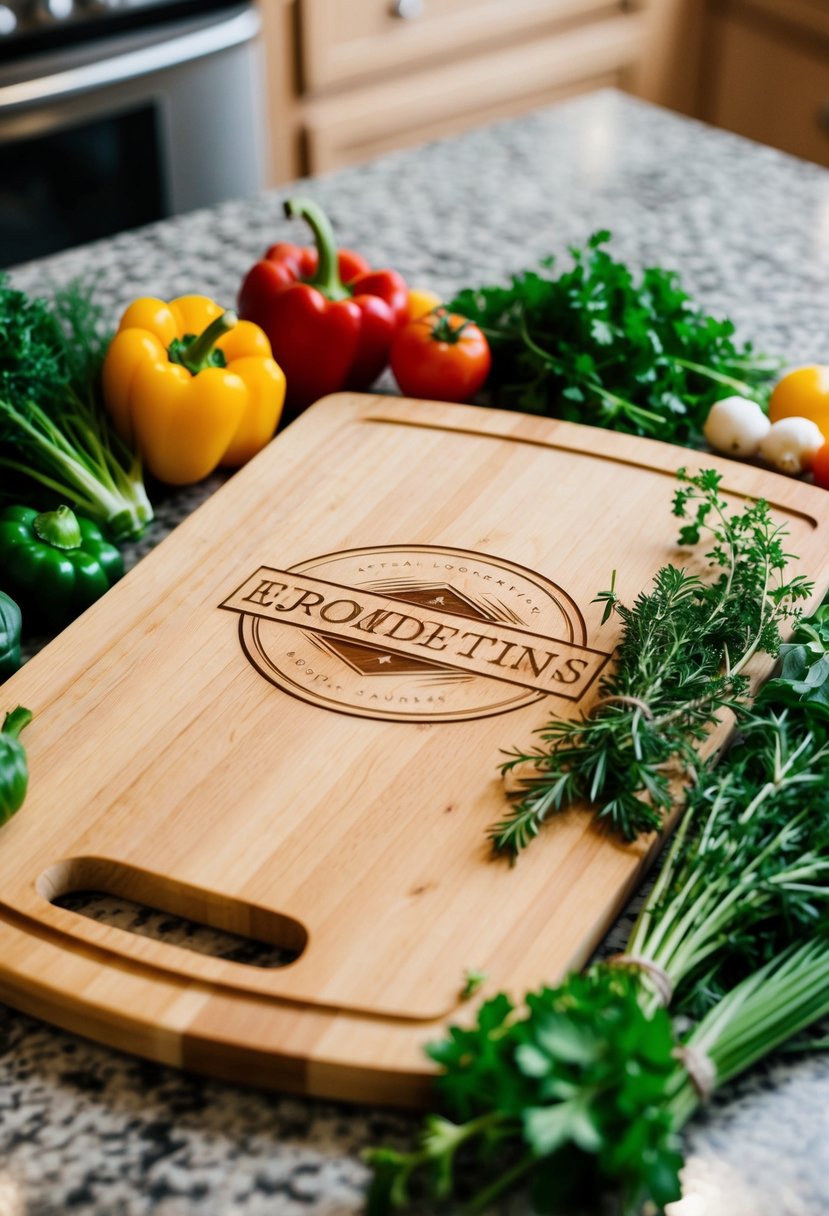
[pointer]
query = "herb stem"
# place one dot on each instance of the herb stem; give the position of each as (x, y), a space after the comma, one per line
(741, 386)
(503, 1182)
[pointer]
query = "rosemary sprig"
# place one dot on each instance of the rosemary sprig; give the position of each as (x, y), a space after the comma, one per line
(679, 664)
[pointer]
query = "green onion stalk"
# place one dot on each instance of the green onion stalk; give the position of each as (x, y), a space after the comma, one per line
(585, 1091)
(749, 865)
(769, 1008)
(53, 427)
(82, 461)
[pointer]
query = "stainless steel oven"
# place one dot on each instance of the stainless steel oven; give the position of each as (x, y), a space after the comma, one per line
(115, 113)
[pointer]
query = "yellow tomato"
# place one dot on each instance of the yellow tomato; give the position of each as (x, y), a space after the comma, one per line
(421, 301)
(803, 393)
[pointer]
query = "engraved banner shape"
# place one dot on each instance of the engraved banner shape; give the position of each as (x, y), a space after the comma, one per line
(498, 651)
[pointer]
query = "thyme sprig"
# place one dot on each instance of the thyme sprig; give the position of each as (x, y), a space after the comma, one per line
(679, 664)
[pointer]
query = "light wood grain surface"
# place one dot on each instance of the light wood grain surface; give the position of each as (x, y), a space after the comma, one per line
(281, 723)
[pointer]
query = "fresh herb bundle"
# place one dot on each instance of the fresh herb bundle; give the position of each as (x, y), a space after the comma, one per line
(543, 1096)
(595, 345)
(748, 868)
(679, 664)
(584, 1090)
(588, 1084)
(53, 428)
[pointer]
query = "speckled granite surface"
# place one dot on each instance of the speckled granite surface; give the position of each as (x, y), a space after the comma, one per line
(85, 1130)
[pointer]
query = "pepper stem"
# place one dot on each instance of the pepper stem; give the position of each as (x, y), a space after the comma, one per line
(326, 277)
(59, 528)
(198, 353)
(14, 722)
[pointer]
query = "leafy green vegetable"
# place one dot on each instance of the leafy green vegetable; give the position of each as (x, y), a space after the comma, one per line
(564, 1094)
(53, 428)
(596, 345)
(679, 663)
(586, 1088)
(473, 980)
(804, 669)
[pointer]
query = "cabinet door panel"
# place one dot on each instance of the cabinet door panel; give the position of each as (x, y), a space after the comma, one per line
(770, 87)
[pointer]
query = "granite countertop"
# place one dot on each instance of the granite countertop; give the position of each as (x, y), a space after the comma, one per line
(86, 1130)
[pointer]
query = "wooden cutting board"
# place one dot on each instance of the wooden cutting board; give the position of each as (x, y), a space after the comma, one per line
(286, 722)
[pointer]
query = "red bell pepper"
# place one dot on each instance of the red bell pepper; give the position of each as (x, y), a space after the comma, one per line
(329, 317)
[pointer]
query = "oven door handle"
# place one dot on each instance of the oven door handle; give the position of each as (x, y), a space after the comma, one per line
(132, 65)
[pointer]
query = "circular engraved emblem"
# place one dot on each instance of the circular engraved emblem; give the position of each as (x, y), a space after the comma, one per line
(414, 633)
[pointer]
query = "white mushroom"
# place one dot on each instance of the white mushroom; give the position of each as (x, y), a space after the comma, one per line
(791, 444)
(736, 426)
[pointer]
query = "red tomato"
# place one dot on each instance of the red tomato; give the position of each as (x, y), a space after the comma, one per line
(820, 467)
(441, 356)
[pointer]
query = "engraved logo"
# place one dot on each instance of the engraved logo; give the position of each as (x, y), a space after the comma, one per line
(414, 633)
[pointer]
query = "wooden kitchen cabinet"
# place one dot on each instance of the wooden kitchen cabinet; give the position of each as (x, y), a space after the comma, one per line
(757, 67)
(351, 79)
(767, 73)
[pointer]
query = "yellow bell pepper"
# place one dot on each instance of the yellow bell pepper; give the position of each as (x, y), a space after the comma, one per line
(191, 387)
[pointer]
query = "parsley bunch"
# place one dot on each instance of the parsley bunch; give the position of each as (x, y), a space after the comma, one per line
(679, 664)
(53, 427)
(565, 1094)
(596, 345)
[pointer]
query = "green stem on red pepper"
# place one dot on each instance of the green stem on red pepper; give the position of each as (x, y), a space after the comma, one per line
(326, 277)
(329, 317)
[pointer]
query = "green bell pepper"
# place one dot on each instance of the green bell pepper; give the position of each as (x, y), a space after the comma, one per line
(10, 622)
(14, 770)
(55, 564)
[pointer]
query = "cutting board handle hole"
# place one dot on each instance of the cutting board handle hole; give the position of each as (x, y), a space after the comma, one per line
(149, 905)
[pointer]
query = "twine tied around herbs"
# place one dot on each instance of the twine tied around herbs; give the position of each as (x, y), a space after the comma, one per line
(700, 1069)
(624, 699)
(656, 974)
